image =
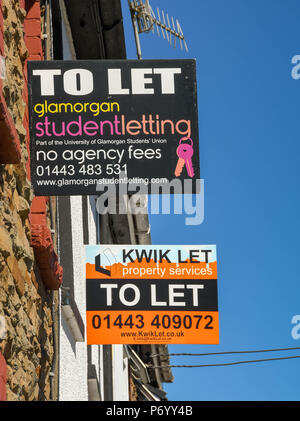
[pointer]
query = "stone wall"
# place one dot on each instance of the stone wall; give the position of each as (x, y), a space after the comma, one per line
(24, 301)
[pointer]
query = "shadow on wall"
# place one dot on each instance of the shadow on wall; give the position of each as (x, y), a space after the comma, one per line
(68, 334)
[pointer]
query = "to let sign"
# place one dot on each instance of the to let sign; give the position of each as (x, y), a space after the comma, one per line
(151, 294)
(98, 123)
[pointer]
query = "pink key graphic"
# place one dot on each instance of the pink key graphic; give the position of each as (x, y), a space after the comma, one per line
(184, 152)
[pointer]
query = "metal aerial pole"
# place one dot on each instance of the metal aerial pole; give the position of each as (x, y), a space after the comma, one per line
(144, 20)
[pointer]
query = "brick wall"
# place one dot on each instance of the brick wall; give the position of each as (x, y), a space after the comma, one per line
(33, 41)
(2, 378)
(41, 239)
(10, 147)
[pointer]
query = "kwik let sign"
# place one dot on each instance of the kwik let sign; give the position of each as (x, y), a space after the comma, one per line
(151, 294)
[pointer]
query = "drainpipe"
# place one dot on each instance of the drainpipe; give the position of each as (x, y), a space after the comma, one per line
(54, 361)
(105, 237)
(46, 40)
(53, 367)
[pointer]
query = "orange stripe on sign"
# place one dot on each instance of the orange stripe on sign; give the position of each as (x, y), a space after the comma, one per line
(152, 327)
(149, 270)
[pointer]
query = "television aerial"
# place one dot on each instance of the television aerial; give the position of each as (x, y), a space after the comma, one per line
(144, 20)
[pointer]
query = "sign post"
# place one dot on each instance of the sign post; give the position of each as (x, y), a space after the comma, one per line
(140, 294)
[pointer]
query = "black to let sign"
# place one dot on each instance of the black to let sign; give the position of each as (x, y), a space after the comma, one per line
(98, 123)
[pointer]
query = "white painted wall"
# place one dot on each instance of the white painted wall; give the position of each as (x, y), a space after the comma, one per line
(120, 374)
(73, 355)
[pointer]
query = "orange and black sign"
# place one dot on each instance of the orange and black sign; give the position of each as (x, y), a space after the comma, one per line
(152, 294)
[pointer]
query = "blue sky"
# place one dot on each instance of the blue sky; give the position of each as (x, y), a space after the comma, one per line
(249, 158)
